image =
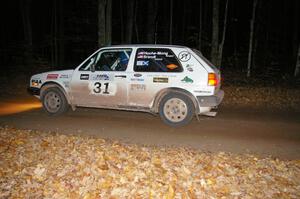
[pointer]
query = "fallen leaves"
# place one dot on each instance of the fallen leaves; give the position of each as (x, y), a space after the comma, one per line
(262, 97)
(48, 165)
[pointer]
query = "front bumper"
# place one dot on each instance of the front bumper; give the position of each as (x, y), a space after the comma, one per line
(33, 91)
(211, 101)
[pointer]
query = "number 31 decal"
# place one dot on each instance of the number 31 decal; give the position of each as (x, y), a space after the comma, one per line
(98, 88)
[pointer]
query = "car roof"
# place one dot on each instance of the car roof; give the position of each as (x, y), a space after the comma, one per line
(147, 46)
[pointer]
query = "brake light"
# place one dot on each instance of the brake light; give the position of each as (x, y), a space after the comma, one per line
(212, 79)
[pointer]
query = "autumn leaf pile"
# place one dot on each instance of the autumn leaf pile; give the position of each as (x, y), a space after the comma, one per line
(50, 165)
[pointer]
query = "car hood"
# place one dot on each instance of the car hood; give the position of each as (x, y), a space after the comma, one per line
(54, 75)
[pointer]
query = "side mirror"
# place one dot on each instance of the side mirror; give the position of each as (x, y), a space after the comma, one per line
(93, 67)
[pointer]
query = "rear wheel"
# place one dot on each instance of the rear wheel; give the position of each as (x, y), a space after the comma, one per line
(176, 109)
(54, 101)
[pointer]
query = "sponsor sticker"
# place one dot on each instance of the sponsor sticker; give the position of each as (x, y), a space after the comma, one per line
(186, 79)
(142, 63)
(52, 76)
(104, 77)
(153, 55)
(160, 79)
(202, 91)
(63, 76)
(172, 66)
(137, 79)
(189, 68)
(184, 56)
(137, 87)
(84, 76)
(137, 75)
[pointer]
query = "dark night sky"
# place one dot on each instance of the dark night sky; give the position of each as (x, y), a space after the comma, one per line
(276, 33)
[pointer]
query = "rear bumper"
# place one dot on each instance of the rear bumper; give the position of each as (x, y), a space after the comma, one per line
(211, 101)
(33, 91)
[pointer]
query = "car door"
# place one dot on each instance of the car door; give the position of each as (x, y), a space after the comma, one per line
(101, 81)
(154, 70)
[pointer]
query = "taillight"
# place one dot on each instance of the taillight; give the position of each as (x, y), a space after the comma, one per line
(212, 79)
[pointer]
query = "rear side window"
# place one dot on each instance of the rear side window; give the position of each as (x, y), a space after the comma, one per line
(156, 60)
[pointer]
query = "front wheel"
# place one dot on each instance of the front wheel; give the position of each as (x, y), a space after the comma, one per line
(54, 101)
(176, 109)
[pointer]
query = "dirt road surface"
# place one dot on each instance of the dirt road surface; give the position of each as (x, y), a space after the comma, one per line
(243, 130)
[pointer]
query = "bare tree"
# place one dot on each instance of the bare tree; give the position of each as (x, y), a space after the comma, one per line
(108, 22)
(151, 15)
(121, 21)
(251, 39)
(61, 38)
(200, 26)
(171, 23)
(129, 21)
(54, 49)
(101, 23)
(297, 67)
(25, 8)
(104, 22)
(135, 22)
(220, 51)
(296, 49)
(217, 48)
(215, 32)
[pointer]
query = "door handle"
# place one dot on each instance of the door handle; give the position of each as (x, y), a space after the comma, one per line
(120, 76)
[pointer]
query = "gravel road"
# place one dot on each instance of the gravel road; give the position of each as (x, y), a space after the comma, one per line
(236, 130)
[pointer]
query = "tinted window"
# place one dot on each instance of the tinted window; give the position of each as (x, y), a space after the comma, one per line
(156, 60)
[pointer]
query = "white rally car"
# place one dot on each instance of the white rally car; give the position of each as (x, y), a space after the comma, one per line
(174, 81)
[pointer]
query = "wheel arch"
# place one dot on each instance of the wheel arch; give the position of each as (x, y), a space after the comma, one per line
(52, 84)
(159, 96)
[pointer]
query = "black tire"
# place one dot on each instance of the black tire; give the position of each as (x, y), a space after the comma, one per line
(54, 101)
(176, 109)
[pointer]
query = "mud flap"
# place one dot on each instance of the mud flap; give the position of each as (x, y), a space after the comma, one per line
(210, 114)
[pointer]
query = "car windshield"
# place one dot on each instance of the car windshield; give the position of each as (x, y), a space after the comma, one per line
(198, 53)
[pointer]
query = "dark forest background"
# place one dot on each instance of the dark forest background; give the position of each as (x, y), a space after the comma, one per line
(249, 38)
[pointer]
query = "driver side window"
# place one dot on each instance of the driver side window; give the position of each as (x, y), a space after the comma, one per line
(109, 60)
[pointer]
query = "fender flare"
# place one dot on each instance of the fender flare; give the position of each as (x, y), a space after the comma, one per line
(51, 84)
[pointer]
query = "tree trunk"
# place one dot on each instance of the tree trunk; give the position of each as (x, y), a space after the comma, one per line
(25, 7)
(296, 38)
(122, 23)
(55, 39)
(61, 40)
(101, 23)
(251, 39)
(171, 23)
(223, 35)
(215, 32)
(108, 22)
(129, 21)
(200, 26)
(151, 15)
(135, 22)
(297, 67)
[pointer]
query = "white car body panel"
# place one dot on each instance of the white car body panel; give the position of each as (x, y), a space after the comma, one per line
(129, 89)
